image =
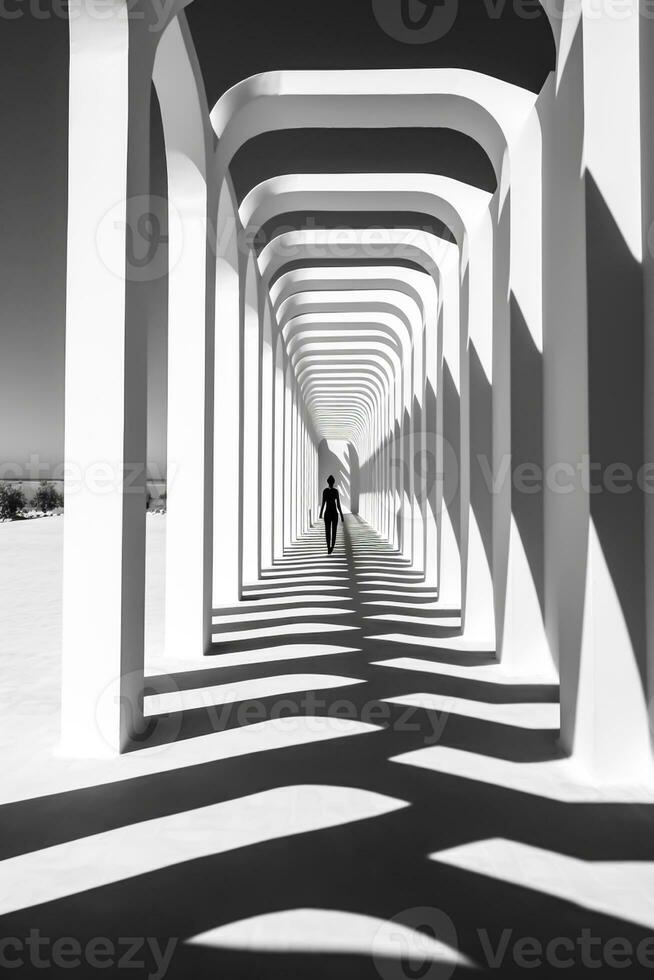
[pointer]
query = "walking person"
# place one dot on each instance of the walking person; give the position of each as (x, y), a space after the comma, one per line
(331, 505)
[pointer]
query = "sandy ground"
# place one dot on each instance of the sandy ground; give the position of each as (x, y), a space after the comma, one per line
(31, 554)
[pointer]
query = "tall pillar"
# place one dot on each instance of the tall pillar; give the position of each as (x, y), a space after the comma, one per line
(417, 454)
(293, 463)
(190, 346)
(594, 399)
(477, 440)
(287, 489)
(227, 423)
(250, 443)
(278, 452)
(105, 402)
(448, 434)
(518, 513)
(611, 727)
(267, 423)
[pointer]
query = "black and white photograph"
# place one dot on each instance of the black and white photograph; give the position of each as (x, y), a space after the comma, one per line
(326, 489)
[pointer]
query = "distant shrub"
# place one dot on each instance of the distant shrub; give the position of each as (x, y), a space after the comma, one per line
(12, 501)
(47, 497)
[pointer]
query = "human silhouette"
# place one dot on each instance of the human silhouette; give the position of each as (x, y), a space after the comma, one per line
(331, 505)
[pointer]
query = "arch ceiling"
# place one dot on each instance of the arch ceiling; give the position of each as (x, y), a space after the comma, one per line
(496, 39)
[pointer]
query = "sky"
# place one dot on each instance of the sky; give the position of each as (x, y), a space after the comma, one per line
(33, 170)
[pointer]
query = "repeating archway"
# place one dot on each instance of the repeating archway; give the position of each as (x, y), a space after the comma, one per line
(501, 313)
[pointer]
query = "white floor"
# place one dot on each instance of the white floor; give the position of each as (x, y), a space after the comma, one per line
(31, 555)
(615, 878)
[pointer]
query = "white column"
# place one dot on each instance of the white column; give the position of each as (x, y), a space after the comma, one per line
(417, 455)
(429, 474)
(278, 452)
(267, 422)
(250, 447)
(448, 428)
(518, 518)
(227, 426)
(105, 406)
(288, 419)
(611, 737)
(307, 480)
(593, 399)
(188, 516)
(476, 440)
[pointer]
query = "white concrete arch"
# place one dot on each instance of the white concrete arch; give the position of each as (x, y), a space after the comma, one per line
(376, 366)
(388, 405)
(522, 647)
(599, 130)
(427, 250)
(290, 284)
(180, 88)
(583, 113)
(394, 356)
(356, 378)
(512, 140)
(334, 367)
(135, 539)
(468, 216)
(112, 65)
(355, 306)
(485, 108)
(419, 286)
(499, 116)
(316, 387)
(389, 307)
(335, 336)
(432, 253)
